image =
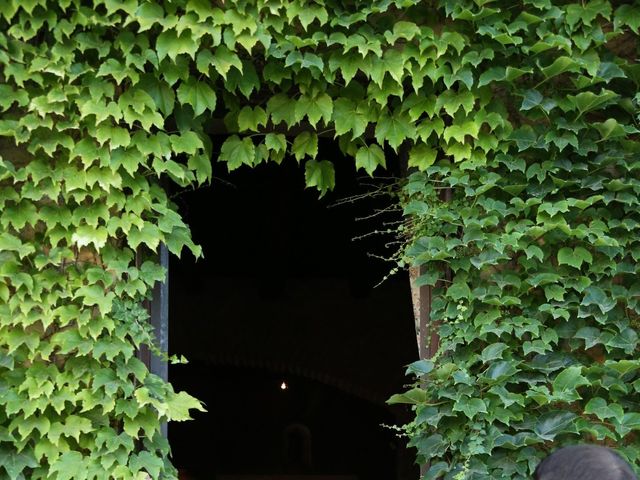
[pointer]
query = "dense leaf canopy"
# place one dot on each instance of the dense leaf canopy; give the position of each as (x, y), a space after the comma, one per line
(538, 313)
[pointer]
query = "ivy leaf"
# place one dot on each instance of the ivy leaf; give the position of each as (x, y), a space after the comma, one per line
(560, 65)
(74, 425)
(493, 351)
(626, 340)
(587, 101)
(117, 136)
(459, 151)
(587, 12)
(85, 235)
(276, 142)
(187, 142)
(314, 108)
(369, 158)
(427, 127)
(237, 152)
(598, 406)
(320, 175)
(430, 446)
(349, 117)
(394, 129)
(223, 59)
(402, 29)
(532, 98)
(595, 295)
(96, 295)
(414, 396)
(197, 94)
(458, 291)
(575, 258)
(169, 43)
(628, 15)
(422, 156)
(553, 423)
(15, 462)
(162, 94)
(470, 406)
(250, 118)
(281, 108)
(500, 370)
(148, 463)
(460, 131)
(566, 383)
(70, 466)
(607, 71)
(610, 128)
(525, 137)
(179, 404)
(201, 164)
(533, 251)
(494, 74)
(305, 144)
(420, 367)
(392, 62)
(147, 15)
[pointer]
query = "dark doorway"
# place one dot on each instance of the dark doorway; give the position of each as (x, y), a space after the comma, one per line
(284, 295)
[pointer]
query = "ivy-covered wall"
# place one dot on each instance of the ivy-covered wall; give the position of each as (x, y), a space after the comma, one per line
(538, 313)
(525, 109)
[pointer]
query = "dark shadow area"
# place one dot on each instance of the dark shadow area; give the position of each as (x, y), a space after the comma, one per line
(284, 295)
(254, 427)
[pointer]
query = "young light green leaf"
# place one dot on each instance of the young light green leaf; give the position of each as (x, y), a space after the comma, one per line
(197, 94)
(305, 144)
(251, 118)
(394, 129)
(320, 175)
(422, 156)
(223, 59)
(237, 152)
(170, 44)
(369, 158)
(316, 108)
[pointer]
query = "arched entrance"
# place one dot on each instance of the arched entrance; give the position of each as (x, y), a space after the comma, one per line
(285, 295)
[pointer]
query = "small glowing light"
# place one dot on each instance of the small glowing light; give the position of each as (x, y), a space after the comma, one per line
(284, 386)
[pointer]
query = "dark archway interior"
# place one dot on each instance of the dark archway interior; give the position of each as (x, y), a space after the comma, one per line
(285, 295)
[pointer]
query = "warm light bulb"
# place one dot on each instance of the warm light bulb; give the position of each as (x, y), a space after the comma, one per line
(283, 386)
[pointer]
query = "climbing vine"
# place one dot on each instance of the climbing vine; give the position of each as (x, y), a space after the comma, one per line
(533, 252)
(525, 110)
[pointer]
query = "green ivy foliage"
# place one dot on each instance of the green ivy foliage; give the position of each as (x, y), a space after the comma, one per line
(524, 109)
(533, 252)
(103, 100)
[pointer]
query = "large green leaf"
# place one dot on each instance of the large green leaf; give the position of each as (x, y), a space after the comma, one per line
(236, 152)
(198, 95)
(305, 144)
(574, 257)
(349, 117)
(554, 423)
(394, 129)
(170, 43)
(320, 175)
(369, 158)
(314, 108)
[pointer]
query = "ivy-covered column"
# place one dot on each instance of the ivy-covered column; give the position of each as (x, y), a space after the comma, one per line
(81, 213)
(539, 323)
